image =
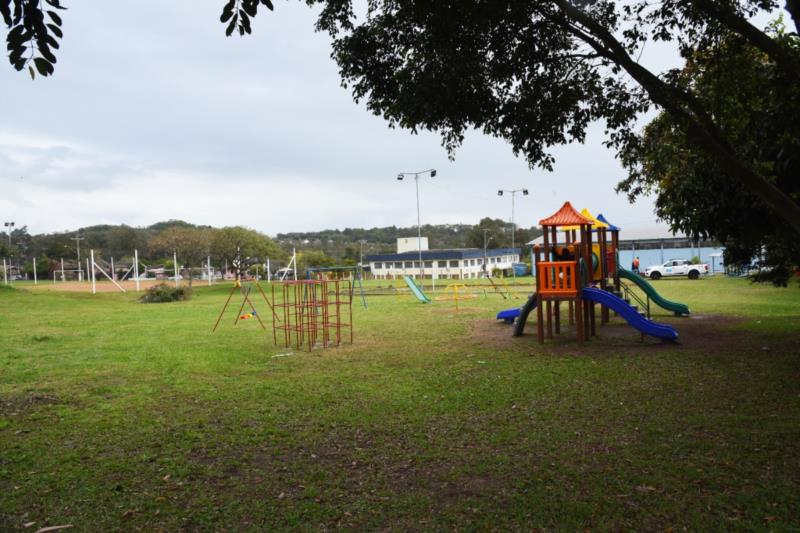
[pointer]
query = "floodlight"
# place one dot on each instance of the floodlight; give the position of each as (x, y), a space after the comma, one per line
(525, 192)
(399, 177)
(499, 193)
(433, 173)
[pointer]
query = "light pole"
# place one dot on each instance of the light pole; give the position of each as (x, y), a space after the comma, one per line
(10, 227)
(416, 175)
(513, 195)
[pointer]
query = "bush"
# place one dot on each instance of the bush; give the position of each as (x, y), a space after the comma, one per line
(165, 293)
(695, 260)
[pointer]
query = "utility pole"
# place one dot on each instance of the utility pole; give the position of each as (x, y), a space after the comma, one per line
(485, 243)
(78, 240)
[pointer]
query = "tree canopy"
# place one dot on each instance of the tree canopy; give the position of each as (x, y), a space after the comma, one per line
(249, 245)
(192, 245)
(533, 73)
(734, 80)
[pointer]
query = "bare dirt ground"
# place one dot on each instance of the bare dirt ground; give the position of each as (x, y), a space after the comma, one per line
(85, 286)
(711, 333)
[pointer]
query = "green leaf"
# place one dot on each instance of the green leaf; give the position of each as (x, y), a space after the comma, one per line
(54, 16)
(47, 54)
(56, 30)
(16, 54)
(269, 5)
(43, 66)
(227, 12)
(231, 26)
(246, 22)
(250, 8)
(32, 72)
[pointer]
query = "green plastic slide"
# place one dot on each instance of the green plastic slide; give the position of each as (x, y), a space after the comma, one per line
(649, 290)
(416, 290)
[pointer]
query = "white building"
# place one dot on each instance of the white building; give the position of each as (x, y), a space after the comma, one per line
(458, 263)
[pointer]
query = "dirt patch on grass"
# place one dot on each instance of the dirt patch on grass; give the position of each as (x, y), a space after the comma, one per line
(705, 333)
(102, 286)
(13, 404)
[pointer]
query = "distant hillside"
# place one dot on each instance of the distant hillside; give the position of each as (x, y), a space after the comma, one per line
(338, 246)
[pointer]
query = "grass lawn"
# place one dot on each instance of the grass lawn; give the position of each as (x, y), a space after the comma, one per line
(120, 416)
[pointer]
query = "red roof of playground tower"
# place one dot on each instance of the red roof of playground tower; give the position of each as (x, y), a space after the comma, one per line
(566, 216)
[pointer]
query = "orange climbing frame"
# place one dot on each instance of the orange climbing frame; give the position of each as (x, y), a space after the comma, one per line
(313, 313)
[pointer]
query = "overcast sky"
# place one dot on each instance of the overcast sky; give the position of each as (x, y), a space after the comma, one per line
(153, 114)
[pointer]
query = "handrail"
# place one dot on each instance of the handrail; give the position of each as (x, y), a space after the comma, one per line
(630, 294)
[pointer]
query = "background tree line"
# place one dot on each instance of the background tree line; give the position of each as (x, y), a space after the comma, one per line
(193, 244)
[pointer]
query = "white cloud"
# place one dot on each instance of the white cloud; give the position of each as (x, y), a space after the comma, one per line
(153, 114)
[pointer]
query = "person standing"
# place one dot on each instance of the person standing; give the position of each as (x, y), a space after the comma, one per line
(635, 264)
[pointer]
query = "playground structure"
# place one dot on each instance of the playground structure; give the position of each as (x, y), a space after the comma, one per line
(304, 313)
(581, 274)
(416, 290)
(355, 273)
(457, 293)
(241, 314)
(312, 313)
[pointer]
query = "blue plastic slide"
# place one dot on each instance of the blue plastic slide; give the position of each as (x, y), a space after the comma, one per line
(508, 315)
(416, 290)
(631, 315)
(518, 313)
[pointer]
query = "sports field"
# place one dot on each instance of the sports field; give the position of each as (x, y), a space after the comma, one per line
(120, 416)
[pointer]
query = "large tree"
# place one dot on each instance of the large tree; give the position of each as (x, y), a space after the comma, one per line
(248, 245)
(191, 245)
(734, 81)
(535, 73)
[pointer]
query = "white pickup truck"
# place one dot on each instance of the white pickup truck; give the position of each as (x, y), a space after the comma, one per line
(676, 267)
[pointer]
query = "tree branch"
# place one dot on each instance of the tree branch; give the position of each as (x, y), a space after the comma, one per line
(700, 127)
(755, 36)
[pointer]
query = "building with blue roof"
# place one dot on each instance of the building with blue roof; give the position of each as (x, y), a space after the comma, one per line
(453, 263)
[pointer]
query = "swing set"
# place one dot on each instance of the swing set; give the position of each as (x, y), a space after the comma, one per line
(305, 313)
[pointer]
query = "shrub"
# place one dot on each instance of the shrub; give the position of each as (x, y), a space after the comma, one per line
(695, 260)
(165, 293)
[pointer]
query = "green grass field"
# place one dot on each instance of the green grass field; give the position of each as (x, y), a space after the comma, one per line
(120, 416)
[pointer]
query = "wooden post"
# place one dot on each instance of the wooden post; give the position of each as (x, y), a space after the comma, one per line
(549, 319)
(604, 315)
(35, 281)
(175, 266)
(587, 253)
(539, 314)
(615, 247)
(558, 317)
